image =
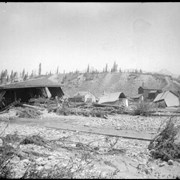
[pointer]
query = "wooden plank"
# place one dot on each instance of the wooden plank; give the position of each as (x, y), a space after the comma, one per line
(34, 107)
(103, 131)
(143, 136)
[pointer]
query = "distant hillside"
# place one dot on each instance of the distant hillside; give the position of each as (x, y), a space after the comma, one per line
(126, 82)
(165, 72)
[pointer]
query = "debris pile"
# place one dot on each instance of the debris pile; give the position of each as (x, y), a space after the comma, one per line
(35, 107)
(26, 112)
(90, 110)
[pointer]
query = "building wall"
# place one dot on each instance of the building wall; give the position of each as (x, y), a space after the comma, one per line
(146, 93)
(161, 104)
(125, 102)
(152, 96)
(140, 90)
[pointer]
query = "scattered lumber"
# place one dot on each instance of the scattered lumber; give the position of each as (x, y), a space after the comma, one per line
(108, 105)
(26, 112)
(10, 106)
(34, 107)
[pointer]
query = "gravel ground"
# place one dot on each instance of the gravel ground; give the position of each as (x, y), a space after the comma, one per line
(132, 159)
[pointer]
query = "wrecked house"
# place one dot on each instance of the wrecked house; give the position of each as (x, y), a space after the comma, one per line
(137, 98)
(83, 96)
(167, 99)
(116, 98)
(148, 93)
(24, 91)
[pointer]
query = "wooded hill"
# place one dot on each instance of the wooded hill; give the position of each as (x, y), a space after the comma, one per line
(127, 82)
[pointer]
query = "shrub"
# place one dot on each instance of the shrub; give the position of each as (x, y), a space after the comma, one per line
(34, 139)
(164, 146)
(7, 152)
(142, 108)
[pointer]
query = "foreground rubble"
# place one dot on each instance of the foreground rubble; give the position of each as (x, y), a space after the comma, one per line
(38, 151)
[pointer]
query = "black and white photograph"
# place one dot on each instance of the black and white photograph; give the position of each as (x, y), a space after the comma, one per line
(90, 90)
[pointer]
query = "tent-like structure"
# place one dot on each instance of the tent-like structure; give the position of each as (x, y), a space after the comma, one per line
(83, 96)
(114, 98)
(167, 99)
(25, 90)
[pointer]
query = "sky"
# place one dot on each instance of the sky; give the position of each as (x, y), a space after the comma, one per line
(72, 35)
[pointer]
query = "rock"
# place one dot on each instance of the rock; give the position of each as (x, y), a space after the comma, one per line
(39, 168)
(51, 157)
(25, 161)
(48, 166)
(40, 161)
(162, 164)
(1, 142)
(151, 168)
(15, 159)
(170, 162)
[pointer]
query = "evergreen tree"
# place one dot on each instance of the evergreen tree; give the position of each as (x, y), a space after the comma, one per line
(23, 73)
(115, 67)
(12, 75)
(25, 77)
(57, 71)
(106, 68)
(32, 74)
(39, 69)
(5, 73)
(1, 76)
(8, 78)
(88, 69)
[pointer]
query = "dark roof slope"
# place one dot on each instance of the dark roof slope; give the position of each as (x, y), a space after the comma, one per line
(148, 88)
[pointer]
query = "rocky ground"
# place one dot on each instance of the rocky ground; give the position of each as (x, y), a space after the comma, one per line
(66, 154)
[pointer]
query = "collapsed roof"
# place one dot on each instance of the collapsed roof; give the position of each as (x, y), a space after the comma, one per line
(24, 91)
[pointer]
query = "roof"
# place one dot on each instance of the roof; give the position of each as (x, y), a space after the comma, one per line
(82, 93)
(111, 97)
(169, 97)
(39, 82)
(136, 96)
(152, 91)
(163, 95)
(147, 88)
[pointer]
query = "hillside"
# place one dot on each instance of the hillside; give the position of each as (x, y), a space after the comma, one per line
(126, 82)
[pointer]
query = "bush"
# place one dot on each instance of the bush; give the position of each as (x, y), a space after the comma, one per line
(142, 108)
(34, 139)
(164, 146)
(7, 152)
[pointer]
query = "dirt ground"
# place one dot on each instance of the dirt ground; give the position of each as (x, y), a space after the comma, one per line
(90, 155)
